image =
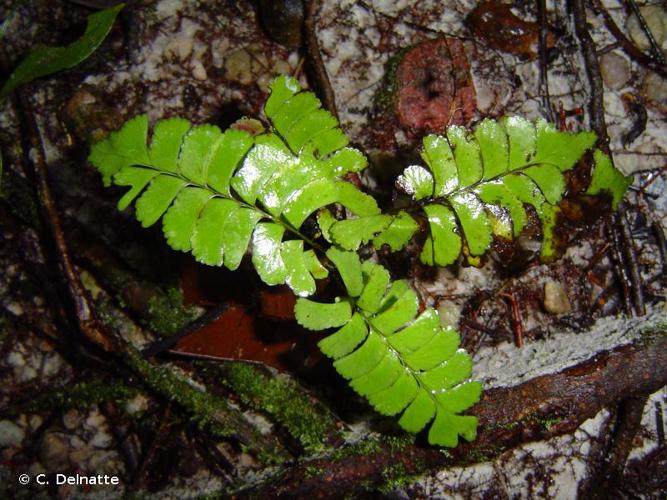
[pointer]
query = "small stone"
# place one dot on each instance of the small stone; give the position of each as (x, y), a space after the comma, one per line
(105, 463)
(237, 67)
(10, 434)
(15, 359)
(81, 454)
(654, 92)
(101, 440)
(198, 71)
(615, 70)
(555, 298)
(137, 404)
(449, 313)
(72, 419)
(54, 450)
(656, 19)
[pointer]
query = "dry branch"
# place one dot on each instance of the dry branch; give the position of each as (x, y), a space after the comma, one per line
(508, 417)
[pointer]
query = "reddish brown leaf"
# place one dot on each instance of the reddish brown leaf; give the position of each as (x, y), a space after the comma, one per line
(277, 303)
(233, 336)
(434, 88)
(496, 24)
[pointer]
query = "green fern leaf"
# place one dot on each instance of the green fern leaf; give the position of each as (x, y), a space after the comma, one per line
(606, 179)
(350, 234)
(397, 234)
(481, 182)
(299, 118)
(220, 193)
(399, 360)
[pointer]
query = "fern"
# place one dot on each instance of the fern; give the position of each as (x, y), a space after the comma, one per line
(217, 193)
(220, 193)
(398, 360)
(476, 185)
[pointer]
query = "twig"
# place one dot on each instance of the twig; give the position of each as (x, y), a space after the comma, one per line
(544, 79)
(517, 324)
(83, 315)
(149, 453)
(596, 104)
(628, 47)
(315, 55)
(626, 258)
(127, 442)
(209, 451)
(632, 262)
(619, 267)
(208, 317)
(655, 48)
(610, 474)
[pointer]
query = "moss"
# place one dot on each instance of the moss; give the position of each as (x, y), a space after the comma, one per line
(478, 456)
(385, 98)
(548, 423)
(396, 476)
(314, 471)
(81, 396)
(284, 401)
(372, 445)
(205, 409)
(168, 315)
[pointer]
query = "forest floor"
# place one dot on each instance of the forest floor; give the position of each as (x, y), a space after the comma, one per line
(121, 357)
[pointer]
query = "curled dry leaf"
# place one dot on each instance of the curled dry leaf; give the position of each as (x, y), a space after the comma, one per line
(427, 88)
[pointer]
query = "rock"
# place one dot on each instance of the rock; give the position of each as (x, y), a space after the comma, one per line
(654, 92)
(615, 70)
(101, 440)
(10, 434)
(555, 298)
(54, 451)
(449, 313)
(656, 19)
(72, 419)
(137, 404)
(282, 20)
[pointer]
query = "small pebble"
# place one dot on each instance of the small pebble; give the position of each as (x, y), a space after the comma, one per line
(449, 313)
(555, 298)
(71, 420)
(654, 92)
(615, 70)
(198, 71)
(10, 434)
(54, 450)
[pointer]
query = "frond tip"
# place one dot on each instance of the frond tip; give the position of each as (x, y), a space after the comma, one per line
(400, 361)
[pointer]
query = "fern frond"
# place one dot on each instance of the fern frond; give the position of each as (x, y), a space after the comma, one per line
(477, 185)
(401, 361)
(219, 193)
